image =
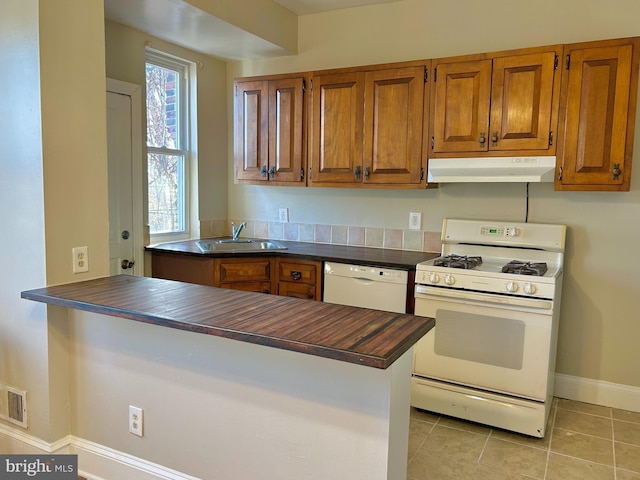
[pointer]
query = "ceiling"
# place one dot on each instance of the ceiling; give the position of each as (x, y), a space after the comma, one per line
(182, 23)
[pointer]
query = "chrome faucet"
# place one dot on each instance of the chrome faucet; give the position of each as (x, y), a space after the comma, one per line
(236, 229)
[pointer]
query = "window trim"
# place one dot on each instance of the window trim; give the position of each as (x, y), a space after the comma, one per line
(184, 114)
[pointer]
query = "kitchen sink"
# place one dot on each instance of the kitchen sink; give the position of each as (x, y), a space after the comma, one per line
(240, 245)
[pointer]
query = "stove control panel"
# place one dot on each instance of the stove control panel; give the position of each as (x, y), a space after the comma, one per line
(465, 280)
(499, 231)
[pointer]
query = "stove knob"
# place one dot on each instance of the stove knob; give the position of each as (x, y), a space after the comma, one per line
(529, 288)
(511, 287)
(433, 277)
(449, 280)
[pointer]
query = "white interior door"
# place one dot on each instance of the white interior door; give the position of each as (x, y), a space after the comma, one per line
(125, 202)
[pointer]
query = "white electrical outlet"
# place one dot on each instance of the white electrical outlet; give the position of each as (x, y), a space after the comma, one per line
(80, 259)
(135, 420)
(415, 220)
(283, 215)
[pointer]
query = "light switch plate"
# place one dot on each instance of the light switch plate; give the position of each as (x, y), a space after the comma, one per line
(283, 215)
(415, 220)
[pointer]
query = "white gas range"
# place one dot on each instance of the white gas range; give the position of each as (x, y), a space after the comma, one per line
(495, 294)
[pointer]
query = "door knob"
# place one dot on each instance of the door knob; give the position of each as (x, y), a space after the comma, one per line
(126, 264)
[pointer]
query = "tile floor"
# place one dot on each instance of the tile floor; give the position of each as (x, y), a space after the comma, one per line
(583, 442)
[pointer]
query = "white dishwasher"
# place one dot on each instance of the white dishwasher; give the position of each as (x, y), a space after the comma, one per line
(366, 287)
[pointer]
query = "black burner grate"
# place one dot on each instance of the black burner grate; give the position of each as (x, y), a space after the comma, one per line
(458, 261)
(525, 268)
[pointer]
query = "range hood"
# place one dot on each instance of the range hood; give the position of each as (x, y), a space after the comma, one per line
(492, 169)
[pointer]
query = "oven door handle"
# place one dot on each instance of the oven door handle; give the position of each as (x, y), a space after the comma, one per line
(423, 291)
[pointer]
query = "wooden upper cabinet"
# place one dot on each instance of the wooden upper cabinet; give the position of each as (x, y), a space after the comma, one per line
(268, 130)
(251, 130)
(394, 110)
(460, 103)
(367, 127)
(335, 137)
(522, 110)
(496, 104)
(600, 85)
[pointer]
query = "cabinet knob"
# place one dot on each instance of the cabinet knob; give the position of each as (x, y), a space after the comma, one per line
(296, 275)
(616, 171)
(356, 171)
(272, 172)
(494, 139)
(263, 170)
(366, 173)
(482, 139)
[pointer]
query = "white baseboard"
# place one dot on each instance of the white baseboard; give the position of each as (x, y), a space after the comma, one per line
(598, 392)
(95, 461)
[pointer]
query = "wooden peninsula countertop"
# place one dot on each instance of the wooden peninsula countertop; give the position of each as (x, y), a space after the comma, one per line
(362, 336)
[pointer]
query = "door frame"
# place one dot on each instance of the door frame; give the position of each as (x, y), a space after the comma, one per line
(135, 93)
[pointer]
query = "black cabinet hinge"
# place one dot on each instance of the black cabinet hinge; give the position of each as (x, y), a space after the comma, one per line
(311, 84)
(301, 173)
(435, 74)
(555, 63)
(426, 75)
(304, 86)
(551, 137)
(421, 173)
(310, 173)
(433, 140)
(567, 62)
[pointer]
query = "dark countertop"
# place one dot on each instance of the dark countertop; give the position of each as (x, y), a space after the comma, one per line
(356, 335)
(380, 257)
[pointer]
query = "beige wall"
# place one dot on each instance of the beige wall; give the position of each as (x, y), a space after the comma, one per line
(599, 327)
(53, 188)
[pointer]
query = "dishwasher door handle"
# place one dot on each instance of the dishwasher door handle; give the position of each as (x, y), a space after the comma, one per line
(363, 279)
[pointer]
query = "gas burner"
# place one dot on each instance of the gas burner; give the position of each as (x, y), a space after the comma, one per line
(457, 261)
(525, 268)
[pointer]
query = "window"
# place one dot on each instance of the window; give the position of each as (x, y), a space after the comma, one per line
(167, 81)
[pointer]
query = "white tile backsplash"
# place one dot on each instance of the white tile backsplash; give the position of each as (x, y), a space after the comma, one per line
(375, 237)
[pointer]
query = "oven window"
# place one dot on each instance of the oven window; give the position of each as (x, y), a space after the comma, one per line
(490, 340)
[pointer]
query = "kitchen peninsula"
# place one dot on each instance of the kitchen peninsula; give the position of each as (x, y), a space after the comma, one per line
(309, 390)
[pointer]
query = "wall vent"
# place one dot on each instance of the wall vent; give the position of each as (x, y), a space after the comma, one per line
(13, 405)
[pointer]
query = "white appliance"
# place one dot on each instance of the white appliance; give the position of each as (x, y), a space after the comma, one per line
(366, 287)
(491, 169)
(495, 294)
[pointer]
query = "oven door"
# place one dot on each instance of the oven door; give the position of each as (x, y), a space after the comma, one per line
(493, 342)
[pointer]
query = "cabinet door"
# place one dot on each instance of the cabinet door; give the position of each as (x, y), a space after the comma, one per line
(299, 278)
(393, 107)
(599, 101)
(335, 136)
(285, 130)
(522, 108)
(297, 290)
(460, 102)
(183, 268)
(242, 270)
(251, 147)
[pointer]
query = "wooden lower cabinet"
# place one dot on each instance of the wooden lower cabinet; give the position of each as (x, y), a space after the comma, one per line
(183, 268)
(299, 278)
(249, 274)
(264, 274)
